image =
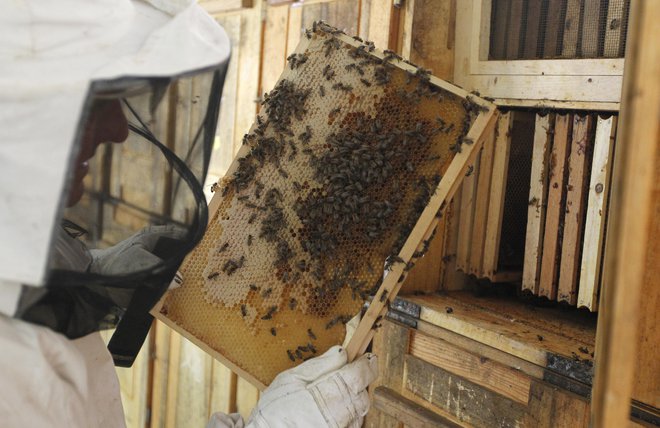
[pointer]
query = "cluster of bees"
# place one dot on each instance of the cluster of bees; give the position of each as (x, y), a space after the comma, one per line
(363, 191)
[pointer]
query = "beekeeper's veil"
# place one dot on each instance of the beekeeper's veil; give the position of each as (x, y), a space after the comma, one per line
(145, 79)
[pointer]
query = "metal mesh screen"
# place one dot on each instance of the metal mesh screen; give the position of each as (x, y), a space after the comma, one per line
(514, 216)
(569, 29)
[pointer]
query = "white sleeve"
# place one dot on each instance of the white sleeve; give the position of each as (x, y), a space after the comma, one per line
(49, 380)
(222, 420)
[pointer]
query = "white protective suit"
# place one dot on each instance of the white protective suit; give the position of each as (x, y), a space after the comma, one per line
(49, 54)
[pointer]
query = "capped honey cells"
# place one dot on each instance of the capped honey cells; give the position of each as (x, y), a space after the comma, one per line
(344, 155)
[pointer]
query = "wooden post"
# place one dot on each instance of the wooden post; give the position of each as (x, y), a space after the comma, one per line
(555, 209)
(630, 214)
(594, 233)
(538, 187)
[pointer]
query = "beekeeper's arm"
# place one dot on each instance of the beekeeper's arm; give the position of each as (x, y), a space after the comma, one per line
(321, 392)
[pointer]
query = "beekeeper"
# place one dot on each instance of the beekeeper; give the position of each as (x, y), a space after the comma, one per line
(93, 232)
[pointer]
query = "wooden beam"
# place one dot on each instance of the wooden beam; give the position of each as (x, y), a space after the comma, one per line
(578, 173)
(630, 219)
(537, 201)
(594, 233)
(555, 208)
(550, 407)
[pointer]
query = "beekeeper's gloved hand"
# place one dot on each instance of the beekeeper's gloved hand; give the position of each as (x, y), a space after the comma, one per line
(135, 253)
(321, 392)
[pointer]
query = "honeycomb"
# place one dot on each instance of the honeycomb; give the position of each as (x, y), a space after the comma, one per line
(345, 153)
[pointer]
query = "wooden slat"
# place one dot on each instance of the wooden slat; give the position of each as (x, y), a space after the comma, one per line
(613, 29)
(555, 207)
(247, 396)
(537, 202)
(634, 185)
(407, 411)
(468, 195)
(193, 386)
(452, 278)
(532, 32)
(504, 380)
(465, 400)
(513, 29)
(431, 45)
(481, 349)
(344, 14)
(295, 27)
(594, 230)
(571, 28)
(481, 207)
(173, 380)
(425, 276)
(497, 192)
(391, 343)
(553, 29)
(590, 32)
(363, 22)
(380, 15)
(223, 152)
(550, 407)
(273, 56)
(249, 57)
(159, 385)
(580, 151)
(511, 326)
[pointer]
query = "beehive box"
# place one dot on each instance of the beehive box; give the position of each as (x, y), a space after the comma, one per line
(344, 173)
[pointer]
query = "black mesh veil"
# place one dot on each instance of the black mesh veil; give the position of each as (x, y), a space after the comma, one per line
(135, 206)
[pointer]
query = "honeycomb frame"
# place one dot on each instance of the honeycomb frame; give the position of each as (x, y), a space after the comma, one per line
(215, 277)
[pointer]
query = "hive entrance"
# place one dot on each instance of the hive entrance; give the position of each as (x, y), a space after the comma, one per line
(345, 155)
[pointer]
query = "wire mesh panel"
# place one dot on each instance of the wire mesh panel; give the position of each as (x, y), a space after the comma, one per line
(544, 29)
(344, 157)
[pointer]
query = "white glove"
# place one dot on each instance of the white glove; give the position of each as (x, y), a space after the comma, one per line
(135, 253)
(321, 392)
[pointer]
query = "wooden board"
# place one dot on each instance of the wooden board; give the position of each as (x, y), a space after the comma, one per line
(497, 192)
(553, 29)
(513, 29)
(390, 344)
(468, 196)
(489, 374)
(452, 278)
(537, 202)
(273, 58)
(431, 44)
(555, 207)
(578, 174)
(594, 233)
(408, 411)
(481, 207)
(466, 400)
(514, 327)
(551, 407)
(499, 30)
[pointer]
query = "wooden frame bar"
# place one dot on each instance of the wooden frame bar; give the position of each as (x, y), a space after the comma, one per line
(497, 193)
(555, 208)
(465, 225)
(594, 234)
(537, 203)
(578, 164)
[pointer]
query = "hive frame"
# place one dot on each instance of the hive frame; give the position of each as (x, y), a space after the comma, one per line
(482, 126)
